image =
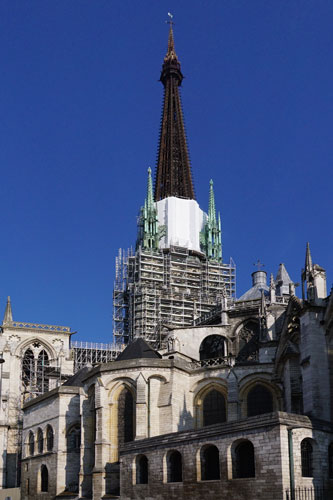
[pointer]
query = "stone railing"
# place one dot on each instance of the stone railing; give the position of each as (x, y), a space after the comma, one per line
(38, 326)
(224, 361)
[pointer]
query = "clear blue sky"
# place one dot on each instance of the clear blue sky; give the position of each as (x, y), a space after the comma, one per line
(80, 111)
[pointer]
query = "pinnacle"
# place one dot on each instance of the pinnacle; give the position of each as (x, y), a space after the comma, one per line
(8, 316)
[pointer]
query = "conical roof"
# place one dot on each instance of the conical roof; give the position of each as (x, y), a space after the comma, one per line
(282, 275)
(8, 316)
(173, 171)
(138, 349)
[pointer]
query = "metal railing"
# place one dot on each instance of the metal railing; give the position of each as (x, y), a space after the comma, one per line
(310, 493)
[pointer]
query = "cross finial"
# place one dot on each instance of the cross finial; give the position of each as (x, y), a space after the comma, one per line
(170, 21)
(259, 265)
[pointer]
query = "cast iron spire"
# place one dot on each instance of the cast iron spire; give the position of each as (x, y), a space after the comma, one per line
(173, 171)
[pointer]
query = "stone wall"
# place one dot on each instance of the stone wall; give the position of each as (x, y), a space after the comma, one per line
(269, 436)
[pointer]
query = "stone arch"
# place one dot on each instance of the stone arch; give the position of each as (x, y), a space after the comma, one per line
(213, 346)
(203, 391)
(114, 404)
(44, 344)
(250, 384)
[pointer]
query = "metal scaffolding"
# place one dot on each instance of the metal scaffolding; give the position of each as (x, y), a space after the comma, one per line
(89, 353)
(158, 289)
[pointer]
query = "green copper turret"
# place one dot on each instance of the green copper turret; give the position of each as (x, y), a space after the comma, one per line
(211, 234)
(148, 237)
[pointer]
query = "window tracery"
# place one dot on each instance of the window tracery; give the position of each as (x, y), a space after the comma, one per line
(35, 369)
(214, 408)
(248, 342)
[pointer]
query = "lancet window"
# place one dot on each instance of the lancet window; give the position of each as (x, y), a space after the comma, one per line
(259, 401)
(141, 469)
(49, 438)
(126, 413)
(40, 441)
(35, 369)
(214, 408)
(44, 478)
(307, 458)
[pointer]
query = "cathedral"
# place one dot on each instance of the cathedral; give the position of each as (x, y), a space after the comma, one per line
(202, 394)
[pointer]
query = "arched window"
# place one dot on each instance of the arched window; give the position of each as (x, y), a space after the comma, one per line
(35, 372)
(49, 438)
(28, 368)
(174, 467)
(31, 443)
(259, 401)
(42, 373)
(244, 460)
(141, 469)
(74, 439)
(126, 414)
(44, 478)
(212, 346)
(330, 461)
(40, 442)
(307, 458)
(210, 463)
(213, 409)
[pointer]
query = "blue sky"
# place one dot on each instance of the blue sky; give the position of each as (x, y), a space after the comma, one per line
(80, 111)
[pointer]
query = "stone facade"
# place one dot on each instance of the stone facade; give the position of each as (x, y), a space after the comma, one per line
(35, 358)
(245, 385)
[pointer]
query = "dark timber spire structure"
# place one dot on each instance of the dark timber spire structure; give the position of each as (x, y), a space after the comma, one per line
(173, 172)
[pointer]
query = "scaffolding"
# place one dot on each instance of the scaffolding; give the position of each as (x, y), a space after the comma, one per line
(90, 353)
(158, 289)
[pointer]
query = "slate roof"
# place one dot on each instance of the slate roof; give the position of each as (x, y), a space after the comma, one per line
(78, 377)
(255, 292)
(138, 349)
(282, 276)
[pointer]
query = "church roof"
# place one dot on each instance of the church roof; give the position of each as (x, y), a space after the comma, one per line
(173, 171)
(78, 377)
(259, 286)
(138, 349)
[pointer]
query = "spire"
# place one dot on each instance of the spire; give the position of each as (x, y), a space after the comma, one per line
(149, 231)
(173, 170)
(150, 196)
(282, 281)
(211, 207)
(308, 259)
(8, 317)
(211, 235)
